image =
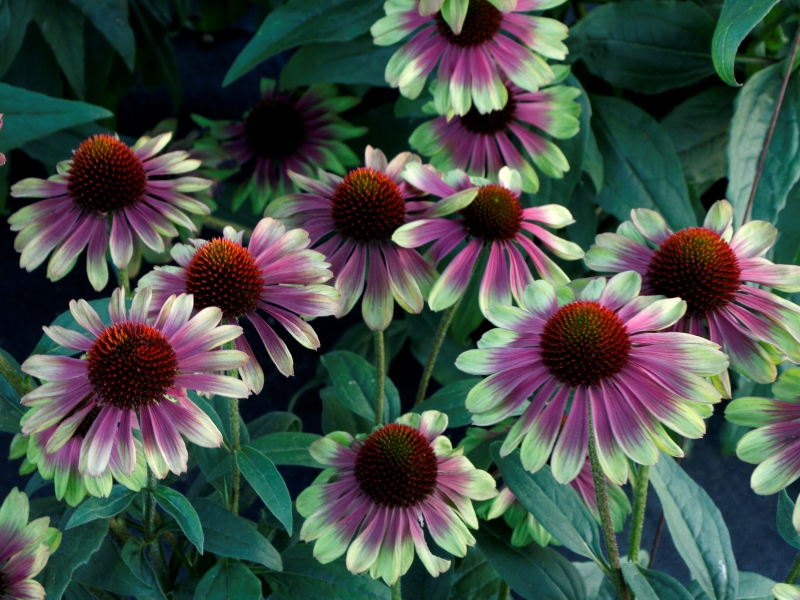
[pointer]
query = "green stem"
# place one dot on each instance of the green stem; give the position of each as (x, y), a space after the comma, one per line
(124, 281)
(396, 590)
(380, 359)
(605, 514)
(794, 572)
(438, 340)
(637, 520)
(236, 476)
(150, 507)
(504, 592)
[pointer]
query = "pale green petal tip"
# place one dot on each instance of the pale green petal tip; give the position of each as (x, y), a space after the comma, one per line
(785, 591)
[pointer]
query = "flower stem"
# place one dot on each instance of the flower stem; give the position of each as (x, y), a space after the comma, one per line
(504, 591)
(396, 590)
(637, 520)
(605, 513)
(380, 359)
(794, 572)
(236, 476)
(438, 340)
(124, 281)
(150, 507)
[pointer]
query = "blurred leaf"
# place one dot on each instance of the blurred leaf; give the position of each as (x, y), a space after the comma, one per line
(451, 400)
(20, 14)
(11, 384)
(287, 448)
(5, 18)
(641, 166)
(697, 529)
(261, 473)
(652, 585)
(753, 586)
(475, 578)
(228, 580)
(648, 46)
(738, 18)
(110, 17)
(102, 508)
(155, 58)
(107, 571)
(61, 25)
(54, 148)
(300, 22)
(180, 509)
(784, 520)
(77, 547)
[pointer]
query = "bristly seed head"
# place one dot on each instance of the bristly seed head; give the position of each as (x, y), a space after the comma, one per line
(131, 365)
(224, 274)
(490, 123)
(274, 128)
(698, 266)
(494, 214)
(584, 343)
(481, 24)
(396, 466)
(105, 175)
(368, 206)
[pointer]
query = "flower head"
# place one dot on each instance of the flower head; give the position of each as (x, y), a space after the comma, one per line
(481, 143)
(276, 274)
(603, 349)
(488, 215)
(24, 548)
(135, 373)
(351, 220)
(709, 268)
(105, 182)
(385, 487)
(285, 131)
(476, 43)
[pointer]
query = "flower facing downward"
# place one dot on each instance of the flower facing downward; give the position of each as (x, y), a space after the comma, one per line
(709, 268)
(384, 488)
(351, 220)
(135, 374)
(488, 215)
(276, 273)
(604, 348)
(105, 182)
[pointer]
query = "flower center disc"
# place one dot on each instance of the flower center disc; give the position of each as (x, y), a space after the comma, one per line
(368, 206)
(274, 128)
(396, 466)
(584, 343)
(480, 25)
(494, 214)
(698, 266)
(224, 274)
(105, 175)
(490, 123)
(131, 365)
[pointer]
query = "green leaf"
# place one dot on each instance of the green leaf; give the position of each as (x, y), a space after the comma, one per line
(12, 382)
(358, 61)
(107, 571)
(652, 585)
(102, 508)
(641, 168)
(61, 25)
(77, 547)
(21, 13)
(229, 535)
(697, 529)
(737, 20)
(648, 46)
(287, 448)
(475, 578)
(533, 572)
(274, 422)
(28, 116)
(261, 473)
(228, 580)
(557, 507)
(753, 586)
(110, 17)
(451, 400)
(133, 555)
(180, 509)
(418, 584)
(304, 577)
(784, 520)
(751, 117)
(300, 22)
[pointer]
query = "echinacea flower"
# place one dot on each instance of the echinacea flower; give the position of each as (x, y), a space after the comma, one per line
(604, 349)
(56, 453)
(491, 44)
(136, 372)
(351, 220)
(286, 131)
(482, 143)
(383, 488)
(709, 268)
(105, 183)
(24, 548)
(488, 215)
(276, 274)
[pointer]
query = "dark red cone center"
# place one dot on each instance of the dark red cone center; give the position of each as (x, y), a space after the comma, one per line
(274, 128)
(481, 24)
(368, 206)
(494, 214)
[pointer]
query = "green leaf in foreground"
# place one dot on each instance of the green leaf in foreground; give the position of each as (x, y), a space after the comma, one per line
(228, 580)
(288, 448)
(738, 18)
(261, 473)
(180, 509)
(108, 571)
(77, 547)
(102, 508)
(653, 585)
(784, 520)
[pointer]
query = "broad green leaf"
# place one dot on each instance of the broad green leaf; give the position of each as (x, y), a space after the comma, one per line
(358, 61)
(451, 400)
(737, 20)
(648, 46)
(21, 13)
(418, 584)
(784, 520)
(557, 507)
(653, 585)
(475, 578)
(133, 555)
(533, 572)
(261, 473)
(753, 586)
(110, 17)
(228, 580)
(229, 535)
(77, 547)
(287, 448)
(641, 168)
(180, 509)
(751, 117)
(304, 577)
(102, 508)
(107, 571)
(11, 384)
(61, 25)
(697, 529)
(300, 22)
(274, 422)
